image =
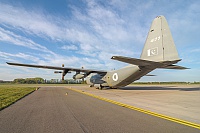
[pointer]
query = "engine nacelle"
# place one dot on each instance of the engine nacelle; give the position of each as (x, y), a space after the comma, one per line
(78, 76)
(57, 71)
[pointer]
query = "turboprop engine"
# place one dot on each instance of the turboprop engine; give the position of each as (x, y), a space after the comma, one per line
(58, 72)
(64, 72)
(78, 76)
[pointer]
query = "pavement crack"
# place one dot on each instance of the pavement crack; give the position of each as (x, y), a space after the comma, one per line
(85, 129)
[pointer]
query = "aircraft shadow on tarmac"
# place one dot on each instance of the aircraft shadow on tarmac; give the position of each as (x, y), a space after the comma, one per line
(159, 88)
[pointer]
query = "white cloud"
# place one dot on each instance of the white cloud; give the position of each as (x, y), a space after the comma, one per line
(69, 47)
(107, 26)
(100, 28)
(12, 38)
(9, 56)
(195, 50)
(33, 22)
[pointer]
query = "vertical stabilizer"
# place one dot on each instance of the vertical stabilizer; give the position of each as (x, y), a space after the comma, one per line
(159, 45)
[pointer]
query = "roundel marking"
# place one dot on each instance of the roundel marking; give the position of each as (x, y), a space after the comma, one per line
(115, 77)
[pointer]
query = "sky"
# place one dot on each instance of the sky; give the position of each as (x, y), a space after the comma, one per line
(87, 33)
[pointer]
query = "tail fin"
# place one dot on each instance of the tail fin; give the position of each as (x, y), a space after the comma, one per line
(159, 45)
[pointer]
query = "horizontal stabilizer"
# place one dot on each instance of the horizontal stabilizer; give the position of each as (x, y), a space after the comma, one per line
(134, 61)
(147, 63)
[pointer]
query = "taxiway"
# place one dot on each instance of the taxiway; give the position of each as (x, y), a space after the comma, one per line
(59, 109)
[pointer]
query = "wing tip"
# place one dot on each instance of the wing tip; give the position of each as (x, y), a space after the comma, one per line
(186, 68)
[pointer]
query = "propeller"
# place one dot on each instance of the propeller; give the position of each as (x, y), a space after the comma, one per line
(64, 72)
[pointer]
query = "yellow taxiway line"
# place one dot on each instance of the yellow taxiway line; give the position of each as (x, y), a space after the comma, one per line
(194, 125)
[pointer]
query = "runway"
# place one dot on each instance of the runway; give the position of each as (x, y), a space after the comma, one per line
(58, 109)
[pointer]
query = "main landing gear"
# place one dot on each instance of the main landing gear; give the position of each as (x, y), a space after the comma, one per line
(97, 86)
(100, 87)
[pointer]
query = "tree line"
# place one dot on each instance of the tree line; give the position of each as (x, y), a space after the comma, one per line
(39, 80)
(36, 80)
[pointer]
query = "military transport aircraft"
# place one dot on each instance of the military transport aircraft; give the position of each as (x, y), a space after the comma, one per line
(159, 52)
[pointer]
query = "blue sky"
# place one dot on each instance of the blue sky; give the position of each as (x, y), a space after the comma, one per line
(87, 33)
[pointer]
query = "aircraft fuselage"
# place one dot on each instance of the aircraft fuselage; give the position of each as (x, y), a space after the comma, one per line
(119, 78)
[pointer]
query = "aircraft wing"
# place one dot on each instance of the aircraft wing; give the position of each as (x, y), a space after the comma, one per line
(88, 71)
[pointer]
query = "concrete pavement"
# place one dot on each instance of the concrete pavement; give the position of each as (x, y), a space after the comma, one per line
(58, 109)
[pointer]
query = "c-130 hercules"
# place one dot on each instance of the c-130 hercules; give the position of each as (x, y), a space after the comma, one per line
(159, 52)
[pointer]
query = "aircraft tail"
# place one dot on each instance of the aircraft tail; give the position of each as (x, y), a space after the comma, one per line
(159, 45)
(159, 50)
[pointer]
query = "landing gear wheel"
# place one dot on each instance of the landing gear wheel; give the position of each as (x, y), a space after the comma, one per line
(113, 88)
(101, 87)
(91, 85)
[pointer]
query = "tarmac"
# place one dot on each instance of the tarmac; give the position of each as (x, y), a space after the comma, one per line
(179, 101)
(60, 109)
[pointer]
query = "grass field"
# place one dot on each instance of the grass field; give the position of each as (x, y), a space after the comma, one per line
(10, 94)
